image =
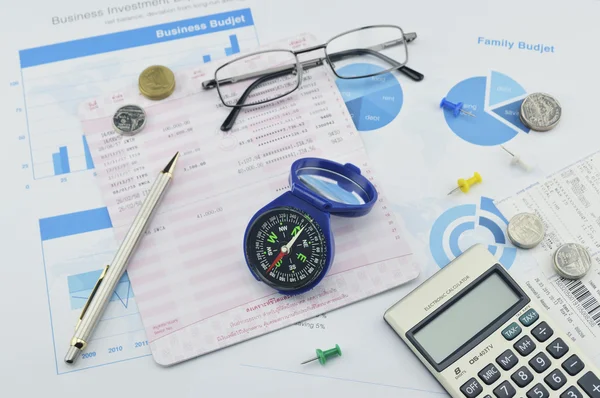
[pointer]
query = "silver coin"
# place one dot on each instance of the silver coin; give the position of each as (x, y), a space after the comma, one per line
(526, 230)
(129, 119)
(572, 261)
(540, 112)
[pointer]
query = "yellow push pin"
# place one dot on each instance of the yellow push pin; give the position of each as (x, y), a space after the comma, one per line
(465, 185)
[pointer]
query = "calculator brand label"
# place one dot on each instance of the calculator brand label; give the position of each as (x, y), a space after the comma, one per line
(481, 354)
(447, 293)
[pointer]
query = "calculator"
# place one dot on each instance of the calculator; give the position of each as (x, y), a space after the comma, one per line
(480, 335)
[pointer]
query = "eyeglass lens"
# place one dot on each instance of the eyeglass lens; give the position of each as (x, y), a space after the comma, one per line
(376, 49)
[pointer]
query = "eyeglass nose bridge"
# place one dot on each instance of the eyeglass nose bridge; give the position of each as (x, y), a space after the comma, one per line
(311, 63)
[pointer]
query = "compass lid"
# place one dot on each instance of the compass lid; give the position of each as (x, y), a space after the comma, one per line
(336, 188)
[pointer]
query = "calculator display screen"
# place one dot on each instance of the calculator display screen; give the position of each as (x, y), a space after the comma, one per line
(469, 315)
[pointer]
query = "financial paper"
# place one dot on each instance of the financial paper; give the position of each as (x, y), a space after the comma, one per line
(189, 273)
(415, 149)
(568, 202)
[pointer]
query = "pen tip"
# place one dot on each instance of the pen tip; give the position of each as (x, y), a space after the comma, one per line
(171, 165)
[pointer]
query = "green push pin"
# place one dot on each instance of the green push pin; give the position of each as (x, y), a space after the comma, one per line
(323, 356)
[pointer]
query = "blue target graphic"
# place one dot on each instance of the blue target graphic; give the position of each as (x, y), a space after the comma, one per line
(458, 228)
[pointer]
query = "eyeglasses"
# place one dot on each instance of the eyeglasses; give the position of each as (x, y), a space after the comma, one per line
(269, 75)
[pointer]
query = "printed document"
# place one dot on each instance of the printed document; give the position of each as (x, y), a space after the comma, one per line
(568, 202)
(192, 286)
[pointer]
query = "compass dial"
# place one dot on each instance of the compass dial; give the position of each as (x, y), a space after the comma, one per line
(286, 249)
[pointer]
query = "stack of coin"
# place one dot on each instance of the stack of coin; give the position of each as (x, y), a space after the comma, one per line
(540, 112)
(526, 230)
(156, 82)
(572, 261)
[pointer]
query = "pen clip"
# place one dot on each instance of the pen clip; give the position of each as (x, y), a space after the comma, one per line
(92, 294)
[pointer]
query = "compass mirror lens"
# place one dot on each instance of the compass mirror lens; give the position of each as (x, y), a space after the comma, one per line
(332, 186)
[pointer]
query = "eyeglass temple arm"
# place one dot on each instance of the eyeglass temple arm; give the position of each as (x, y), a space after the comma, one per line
(411, 73)
(235, 111)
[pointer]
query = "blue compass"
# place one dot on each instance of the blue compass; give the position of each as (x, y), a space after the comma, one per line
(288, 244)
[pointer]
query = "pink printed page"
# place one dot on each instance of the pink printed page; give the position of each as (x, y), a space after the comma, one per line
(193, 289)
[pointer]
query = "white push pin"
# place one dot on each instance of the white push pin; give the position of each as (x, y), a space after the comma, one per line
(516, 159)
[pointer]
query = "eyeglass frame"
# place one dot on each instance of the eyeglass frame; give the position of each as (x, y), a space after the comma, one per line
(300, 66)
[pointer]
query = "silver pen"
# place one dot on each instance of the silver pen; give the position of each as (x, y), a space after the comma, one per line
(110, 276)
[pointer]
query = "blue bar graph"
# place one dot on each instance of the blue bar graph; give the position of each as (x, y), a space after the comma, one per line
(64, 159)
(57, 163)
(74, 223)
(206, 58)
(235, 46)
(88, 156)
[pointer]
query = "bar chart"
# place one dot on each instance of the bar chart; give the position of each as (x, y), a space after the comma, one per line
(106, 63)
(60, 159)
(235, 46)
(75, 249)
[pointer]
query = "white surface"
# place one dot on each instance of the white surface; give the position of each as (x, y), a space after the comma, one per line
(417, 156)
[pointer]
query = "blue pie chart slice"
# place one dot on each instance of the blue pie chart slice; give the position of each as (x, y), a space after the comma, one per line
(493, 126)
(373, 102)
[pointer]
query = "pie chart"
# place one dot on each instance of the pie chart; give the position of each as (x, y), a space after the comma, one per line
(495, 100)
(373, 102)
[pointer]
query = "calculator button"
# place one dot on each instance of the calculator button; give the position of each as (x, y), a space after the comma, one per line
(571, 392)
(522, 376)
(538, 391)
(471, 388)
(524, 346)
(590, 384)
(528, 318)
(505, 390)
(488, 396)
(507, 360)
(556, 379)
(489, 374)
(540, 362)
(573, 365)
(511, 331)
(557, 348)
(542, 332)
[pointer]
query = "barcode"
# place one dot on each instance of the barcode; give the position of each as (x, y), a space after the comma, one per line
(585, 298)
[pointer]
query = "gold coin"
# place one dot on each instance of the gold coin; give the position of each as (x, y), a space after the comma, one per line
(156, 82)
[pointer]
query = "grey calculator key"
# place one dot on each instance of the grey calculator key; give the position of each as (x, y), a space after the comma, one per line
(540, 362)
(542, 332)
(558, 348)
(471, 388)
(538, 391)
(556, 379)
(522, 376)
(573, 365)
(507, 360)
(505, 390)
(571, 392)
(590, 384)
(489, 374)
(488, 396)
(524, 346)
